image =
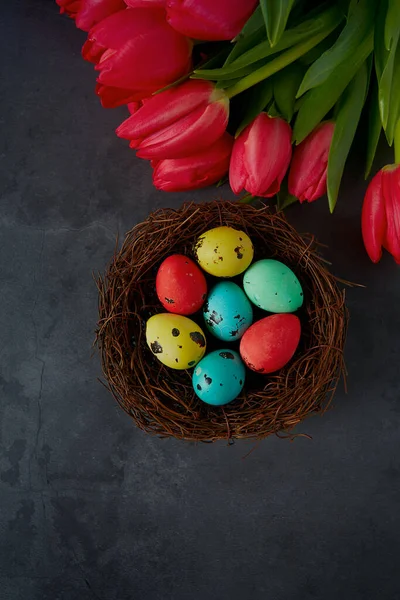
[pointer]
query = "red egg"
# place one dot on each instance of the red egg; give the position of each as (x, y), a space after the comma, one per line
(181, 286)
(270, 343)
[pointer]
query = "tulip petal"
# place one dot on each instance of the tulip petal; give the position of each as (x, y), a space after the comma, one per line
(146, 3)
(391, 195)
(187, 136)
(209, 19)
(134, 65)
(373, 219)
(92, 51)
(166, 108)
(117, 29)
(237, 170)
(307, 175)
(69, 7)
(111, 97)
(193, 172)
(267, 155)
(92, 12)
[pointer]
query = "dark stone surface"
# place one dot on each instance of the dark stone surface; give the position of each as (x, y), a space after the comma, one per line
(91, 508)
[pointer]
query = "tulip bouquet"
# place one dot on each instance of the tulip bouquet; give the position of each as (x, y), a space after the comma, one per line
(269, 94)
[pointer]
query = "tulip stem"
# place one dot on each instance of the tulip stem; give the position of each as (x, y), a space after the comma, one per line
(397, 143)
(275, 65)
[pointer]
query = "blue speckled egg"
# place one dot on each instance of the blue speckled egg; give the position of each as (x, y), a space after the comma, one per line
(272, 286)
(227, 311)
(219, 377)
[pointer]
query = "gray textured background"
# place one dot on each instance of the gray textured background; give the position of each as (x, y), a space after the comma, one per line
(90, 506)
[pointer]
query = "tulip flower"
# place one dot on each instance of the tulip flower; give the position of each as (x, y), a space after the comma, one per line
(260, 156)
(136, 53)
(380, 220)
(134, 107)
(209, 19)
(92, 12)
(307, 175)
(69, 7)
(89, 12)
(136, 3)
(193, 172)
(178, 122)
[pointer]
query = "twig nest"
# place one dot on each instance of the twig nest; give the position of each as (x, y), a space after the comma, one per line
(161, 400)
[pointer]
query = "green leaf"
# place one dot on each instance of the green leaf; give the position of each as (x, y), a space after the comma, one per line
(374, 128)
(226, 83)
(257, 98)
(273, 111)
(348, 116)
(394, 102)
(252, 34)
(391, 40)
(318, 50)
(284, 199)
(173, 84)
(217, 59)
(275, 15)
(359, 24)
(392, 24)
(320, 100)
(380, 51)
(397, 143)
(286, 83)
(321, 22)
(253, 24)
(246, 43)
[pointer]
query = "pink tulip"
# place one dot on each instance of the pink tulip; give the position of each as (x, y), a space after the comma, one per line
(69, 7)
(380, 219)
(260, 156)
(94, 11)
(178, 122)
(196, 171)
(136, 53)
(134, 107)
(209, 19)
(89, 12)
(146, 3)
(307, 175)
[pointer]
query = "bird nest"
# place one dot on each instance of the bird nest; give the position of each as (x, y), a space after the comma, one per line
(161, 401)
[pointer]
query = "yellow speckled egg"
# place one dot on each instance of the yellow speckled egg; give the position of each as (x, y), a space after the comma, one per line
(224, 251)
(177, 342)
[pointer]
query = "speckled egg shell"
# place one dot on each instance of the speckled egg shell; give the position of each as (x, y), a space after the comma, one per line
(269, 344)
(224, 251)
(272, 286)
(227, 311)
(180, 284)
(219, 377)
(177, 342)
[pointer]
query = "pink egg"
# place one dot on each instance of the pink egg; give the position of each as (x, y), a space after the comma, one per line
(181, 286)
(270, 343)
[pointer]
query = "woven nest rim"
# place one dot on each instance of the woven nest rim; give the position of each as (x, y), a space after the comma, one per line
(161, 401)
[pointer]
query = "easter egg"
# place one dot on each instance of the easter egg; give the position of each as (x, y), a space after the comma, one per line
(272, 286)
(270, 343)
(219, 377)
(227, 311)
(177, 342)
(181, 286)
(224, 251)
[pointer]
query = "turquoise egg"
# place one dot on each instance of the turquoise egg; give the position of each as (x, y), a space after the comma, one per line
(227, 311)
(272, 286)
(219, 377)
